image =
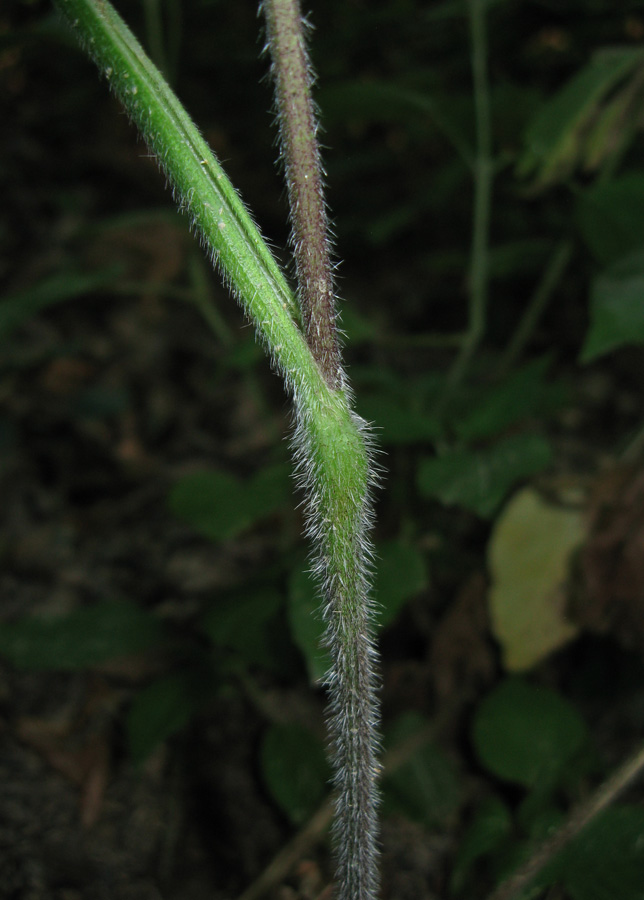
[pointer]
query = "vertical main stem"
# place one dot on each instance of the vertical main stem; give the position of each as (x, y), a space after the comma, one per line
(301, 157)
(336, 472)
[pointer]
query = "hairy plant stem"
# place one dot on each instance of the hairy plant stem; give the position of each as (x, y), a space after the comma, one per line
(298, 127)
(342, 553)
(331, 443)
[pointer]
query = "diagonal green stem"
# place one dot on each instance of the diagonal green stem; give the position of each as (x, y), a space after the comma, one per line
(201, 188)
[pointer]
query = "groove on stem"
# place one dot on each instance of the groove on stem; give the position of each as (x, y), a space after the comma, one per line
(292, 75)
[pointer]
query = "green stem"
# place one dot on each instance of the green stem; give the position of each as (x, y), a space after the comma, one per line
(331, 443)
(537, 305)
(483, 180)
(200, 186)
(202, 298)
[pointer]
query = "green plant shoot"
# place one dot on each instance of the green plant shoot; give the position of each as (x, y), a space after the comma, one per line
(331, 443)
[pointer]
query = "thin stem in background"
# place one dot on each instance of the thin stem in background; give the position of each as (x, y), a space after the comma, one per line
(163, 29)
(536, 307)
(483, 180)
(298, 128)
(154, 32)
(201, 296)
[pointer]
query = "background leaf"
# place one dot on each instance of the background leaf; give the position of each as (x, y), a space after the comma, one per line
(82, 639)
(160, 710)
(220, 506)
(554, 138)
(518, 396)
(295, 770)
(18, 308)
(526, 734)
(306, 624)
(610, 217)
(489, 829)
(529, 557)
(243, 622)
(426, 787)
(616, 308)
(401, 573)
(607, 859)
(480, 479)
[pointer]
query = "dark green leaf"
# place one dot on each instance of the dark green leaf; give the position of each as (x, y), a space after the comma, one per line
(611, 131)
(18, 308)
(242, 623)
(489, 829)
(526, 734)
(244, 355)
(220, 506)
(426, 787)
(606, 861)
(86, 637)
(538, 817)
(616, 308)
(610, 217)
(307, 627)
(401, 573)
(479, 480)
(295, 770)
(554, 139)
(356, 326)
(397, 422)
(160, 710)
(515, 398)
